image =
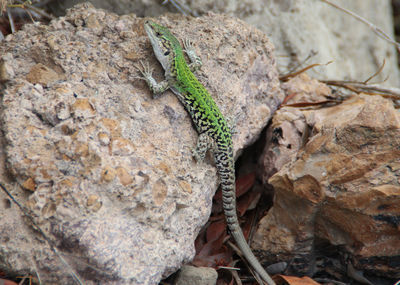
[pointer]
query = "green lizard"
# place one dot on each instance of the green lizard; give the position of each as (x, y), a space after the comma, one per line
(214, 132)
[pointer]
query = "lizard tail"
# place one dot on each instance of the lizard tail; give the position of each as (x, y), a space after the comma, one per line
(227, 175)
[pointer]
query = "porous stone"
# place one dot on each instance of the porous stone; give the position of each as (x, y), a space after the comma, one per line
(304, 32)
(114, 183)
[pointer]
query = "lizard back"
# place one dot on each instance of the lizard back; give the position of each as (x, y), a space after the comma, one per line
(200, 105)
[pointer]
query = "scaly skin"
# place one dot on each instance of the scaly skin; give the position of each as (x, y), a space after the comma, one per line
(211, 125)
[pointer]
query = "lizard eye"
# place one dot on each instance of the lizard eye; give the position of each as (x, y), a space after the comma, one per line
(158, 34)
(167, 52)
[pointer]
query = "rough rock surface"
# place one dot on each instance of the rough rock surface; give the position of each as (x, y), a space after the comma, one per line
(303, 31)
(288, 130)
(338, 182)
(196, 276)
(105, 170)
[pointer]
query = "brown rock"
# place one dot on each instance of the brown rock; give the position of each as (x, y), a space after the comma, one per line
(302, 88)
(83, 104)
(124, 177)
(108, 174)
(121, 146)
(288, 131)
(159, 191)
(94, 203)
(104, 138)
(341, 187)
(29, 184)
(6, 71)
(42, 74)
(111, 125)
(185, 186)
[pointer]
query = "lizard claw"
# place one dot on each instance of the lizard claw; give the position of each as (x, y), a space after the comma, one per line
(187, 44)
(144, 69)
(191, 53)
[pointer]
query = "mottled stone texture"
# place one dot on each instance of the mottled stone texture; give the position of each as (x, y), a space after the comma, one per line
(303, 31)
(105, 170)
(339, 181)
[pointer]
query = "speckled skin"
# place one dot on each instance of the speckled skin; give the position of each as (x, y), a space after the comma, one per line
(214, 132)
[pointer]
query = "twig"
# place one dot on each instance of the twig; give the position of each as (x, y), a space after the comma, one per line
(239, 252)
(35, 9)
(49, 242)
(290, 75)
(229, 268)
(356, 274)
(309, 56)
(377, 72)
(311, 104)
(37, 274)
(236, 277)
(11, 21)
(3, 6)
(358, 87)
(326, 280)
(29, 14)
(181, 7)
(374, 28)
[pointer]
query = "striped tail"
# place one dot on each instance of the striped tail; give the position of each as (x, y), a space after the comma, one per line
(226, 168)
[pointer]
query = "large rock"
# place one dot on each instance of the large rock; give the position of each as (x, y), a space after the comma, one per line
(106, 171)
(338, 182)
(303, 31)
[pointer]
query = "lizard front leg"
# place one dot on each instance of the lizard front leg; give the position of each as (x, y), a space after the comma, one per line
(195, 60)
(157, 88)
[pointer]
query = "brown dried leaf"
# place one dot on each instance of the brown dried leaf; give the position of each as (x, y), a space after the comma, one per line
(293, 280)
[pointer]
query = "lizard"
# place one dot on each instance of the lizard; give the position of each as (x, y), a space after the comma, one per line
(214, 131)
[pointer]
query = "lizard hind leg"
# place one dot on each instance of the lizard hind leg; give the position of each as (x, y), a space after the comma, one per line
(204, 143)
(231, 121)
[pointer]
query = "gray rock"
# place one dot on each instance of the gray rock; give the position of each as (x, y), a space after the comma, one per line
(306, 32)
(196, 276)
(303, 31)
(104, 169)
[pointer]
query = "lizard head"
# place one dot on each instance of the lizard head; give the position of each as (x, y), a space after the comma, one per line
(165, 45)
